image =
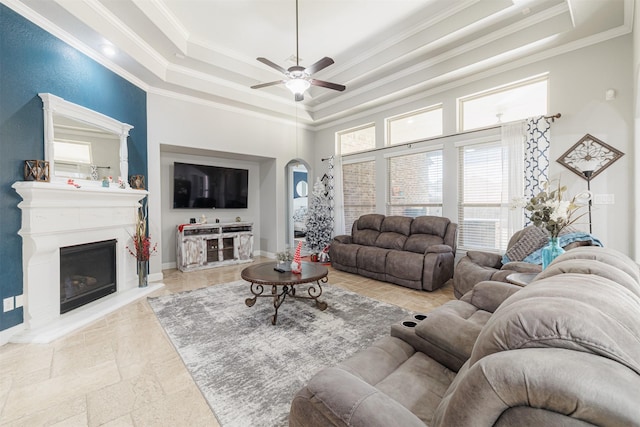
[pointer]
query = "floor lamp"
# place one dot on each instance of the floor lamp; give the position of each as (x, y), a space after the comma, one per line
(587, 158)
(588, 174)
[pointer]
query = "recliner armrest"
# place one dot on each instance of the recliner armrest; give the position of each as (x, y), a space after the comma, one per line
(522, 267)
(335, 393)
(488, 295)
(447, 337)
(485, 259)
(438, 249)
(343, 238)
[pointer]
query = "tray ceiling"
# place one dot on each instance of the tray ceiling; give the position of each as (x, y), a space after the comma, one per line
(384, 50)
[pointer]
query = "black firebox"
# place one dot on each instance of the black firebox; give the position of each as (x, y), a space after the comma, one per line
(87, 273)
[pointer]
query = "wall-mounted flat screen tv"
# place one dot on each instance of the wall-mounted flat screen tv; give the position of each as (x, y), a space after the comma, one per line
(207, 187)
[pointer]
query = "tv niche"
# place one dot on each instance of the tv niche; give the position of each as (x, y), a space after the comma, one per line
(203, 186)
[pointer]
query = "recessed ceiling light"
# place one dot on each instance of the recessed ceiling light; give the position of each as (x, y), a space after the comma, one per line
(108, 49)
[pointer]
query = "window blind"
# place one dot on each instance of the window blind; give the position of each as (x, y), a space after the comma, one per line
(415, 184)
(482, 212)
(359, 189)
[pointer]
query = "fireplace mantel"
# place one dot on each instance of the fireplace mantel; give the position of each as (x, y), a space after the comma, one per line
(58, 215)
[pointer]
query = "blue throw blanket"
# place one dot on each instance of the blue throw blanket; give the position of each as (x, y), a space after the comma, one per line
(535, 257)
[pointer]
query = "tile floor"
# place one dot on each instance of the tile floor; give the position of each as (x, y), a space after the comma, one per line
(123, 371)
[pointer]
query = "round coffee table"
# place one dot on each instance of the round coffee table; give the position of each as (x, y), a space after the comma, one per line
(263, 275)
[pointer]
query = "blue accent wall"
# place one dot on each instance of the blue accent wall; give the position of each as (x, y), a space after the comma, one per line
(34, 61)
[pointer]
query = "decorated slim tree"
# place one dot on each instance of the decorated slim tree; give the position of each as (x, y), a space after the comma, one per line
(319, 221)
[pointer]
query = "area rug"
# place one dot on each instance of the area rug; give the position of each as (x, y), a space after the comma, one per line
(248, 369)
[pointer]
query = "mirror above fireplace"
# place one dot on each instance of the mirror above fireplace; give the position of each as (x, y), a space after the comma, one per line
(83, 144)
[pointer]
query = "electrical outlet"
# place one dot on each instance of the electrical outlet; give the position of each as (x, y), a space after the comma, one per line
(7, 304)
(19, 300)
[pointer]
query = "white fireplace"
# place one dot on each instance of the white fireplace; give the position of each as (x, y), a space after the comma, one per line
(58, 215)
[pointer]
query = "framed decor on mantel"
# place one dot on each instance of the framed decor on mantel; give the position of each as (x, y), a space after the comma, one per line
(36, 170)
(137, 182)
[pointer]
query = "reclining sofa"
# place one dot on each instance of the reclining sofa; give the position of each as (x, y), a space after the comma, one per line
(414, 252)
(564, 350)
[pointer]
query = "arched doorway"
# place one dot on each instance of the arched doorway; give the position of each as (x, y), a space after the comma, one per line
(297, 200)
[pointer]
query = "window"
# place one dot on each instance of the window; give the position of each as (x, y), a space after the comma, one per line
(358, 139)
(415, 184)
(482, 212)
(415, 126)
(359, 190)
(505, 104)
(73, 152)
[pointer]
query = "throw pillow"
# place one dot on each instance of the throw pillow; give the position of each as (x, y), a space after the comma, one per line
(531, 239)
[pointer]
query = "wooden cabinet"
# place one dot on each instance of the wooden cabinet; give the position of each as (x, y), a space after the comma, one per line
(200, 246)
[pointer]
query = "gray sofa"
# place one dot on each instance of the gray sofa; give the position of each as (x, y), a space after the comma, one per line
(413, 252)
(564, 350)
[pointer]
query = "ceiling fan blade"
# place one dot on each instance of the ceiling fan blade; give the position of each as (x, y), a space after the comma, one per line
(261, 85)
(299, 97)
(328, 85)
(323, 63)
(272, 65)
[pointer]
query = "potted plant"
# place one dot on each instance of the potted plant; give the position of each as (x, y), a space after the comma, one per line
(550, 211)
(284, 259)
(141, 247)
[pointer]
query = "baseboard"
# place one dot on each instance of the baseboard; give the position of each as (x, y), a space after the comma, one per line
(155, 277)
(169, 265)
(6, 335)
(265, 254)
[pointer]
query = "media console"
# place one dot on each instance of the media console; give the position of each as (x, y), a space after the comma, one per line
(200, 246)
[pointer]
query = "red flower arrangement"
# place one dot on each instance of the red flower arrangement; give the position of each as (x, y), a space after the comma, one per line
(142, 248)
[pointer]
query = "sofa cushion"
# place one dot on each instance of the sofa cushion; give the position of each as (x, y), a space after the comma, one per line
(367, 229)
(551, 387)
(591, 266)
(334, 397)
(391, 240)
(379, 360)
(405, 265)
(419, 243)
(370, 222)
(580, 312)
(394, 232)
(609, 256)
(436, 225)
(372, 259)
(365, 237)
(345, 253)
(397, 224)
(410, 378)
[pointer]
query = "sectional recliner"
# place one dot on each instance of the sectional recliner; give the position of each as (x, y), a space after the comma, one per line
(564, 350)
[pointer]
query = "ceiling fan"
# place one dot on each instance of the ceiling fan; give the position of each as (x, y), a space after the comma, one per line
(299, 78)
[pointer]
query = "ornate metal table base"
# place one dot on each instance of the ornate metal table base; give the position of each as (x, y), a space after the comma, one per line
(263, 276)
(314, 291)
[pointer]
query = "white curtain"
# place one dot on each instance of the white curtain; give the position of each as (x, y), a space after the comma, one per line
(513, 143)
(536, 157)
(336, 197)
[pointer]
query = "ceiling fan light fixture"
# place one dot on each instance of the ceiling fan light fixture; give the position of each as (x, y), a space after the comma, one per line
(297, 86)
(298, 77)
